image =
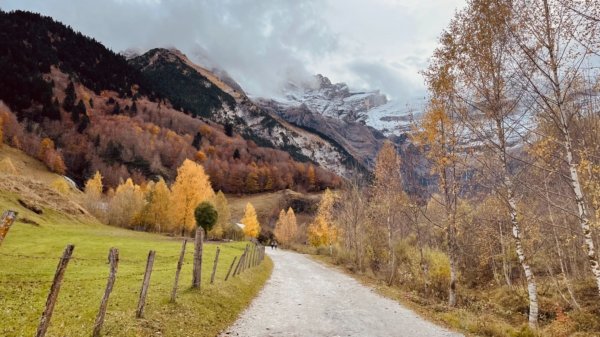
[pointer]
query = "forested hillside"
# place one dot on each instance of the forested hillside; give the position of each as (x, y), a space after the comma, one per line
(81, 108)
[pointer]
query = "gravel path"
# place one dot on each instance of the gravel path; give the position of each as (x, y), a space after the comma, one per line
(305, 298)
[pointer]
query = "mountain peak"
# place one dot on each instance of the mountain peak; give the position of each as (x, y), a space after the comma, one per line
(333, 99)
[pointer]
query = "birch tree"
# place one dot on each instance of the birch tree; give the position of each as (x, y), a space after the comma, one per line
(558, 43)
(387, 195)
(439, 133)
(478, 54)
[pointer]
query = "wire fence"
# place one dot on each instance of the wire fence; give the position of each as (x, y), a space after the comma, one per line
(251, 256)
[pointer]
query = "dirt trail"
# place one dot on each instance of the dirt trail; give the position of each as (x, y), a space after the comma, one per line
(305, 298)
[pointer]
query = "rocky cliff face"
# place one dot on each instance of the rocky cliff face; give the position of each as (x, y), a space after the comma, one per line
(359, 142)
(333, 100)
(335, 112)
(336, 100)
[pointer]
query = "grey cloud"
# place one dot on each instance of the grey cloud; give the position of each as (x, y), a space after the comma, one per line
(260, 43)
(378, 75)
(379, 44)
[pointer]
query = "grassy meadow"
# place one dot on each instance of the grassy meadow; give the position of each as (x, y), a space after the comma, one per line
(31, 251)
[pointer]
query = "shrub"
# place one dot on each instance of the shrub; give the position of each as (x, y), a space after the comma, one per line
(206, 216)
(61, 186)
(439, 272)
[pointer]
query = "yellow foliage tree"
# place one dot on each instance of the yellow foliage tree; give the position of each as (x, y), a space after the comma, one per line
(252, 182)
(61, 186)
(191, 187)
(93, 195)
(323, 231)
(127, 204)
(250, 221)
(286, 228)
(158, 198)
(222, 207)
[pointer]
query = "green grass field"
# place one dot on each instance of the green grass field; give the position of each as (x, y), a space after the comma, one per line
(30, 253)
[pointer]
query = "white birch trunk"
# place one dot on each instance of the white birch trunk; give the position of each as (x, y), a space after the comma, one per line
(505, 267)
(584, 221)
(516, 230)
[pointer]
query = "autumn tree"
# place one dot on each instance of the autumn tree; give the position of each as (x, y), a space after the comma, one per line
(252, 181)
(323, 231)
(475, 65)
(388, 196)
(60, 185)
(223, 221)
(51, 157)
(353, 218)
(555, 42)
(191, 187)
(250, 222)
(158, 202)
(93, 195)
(286, 228)
(125, 207)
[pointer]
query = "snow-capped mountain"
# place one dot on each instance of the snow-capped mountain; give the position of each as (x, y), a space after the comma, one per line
(333, 100)
(373, 110)
(337, 100)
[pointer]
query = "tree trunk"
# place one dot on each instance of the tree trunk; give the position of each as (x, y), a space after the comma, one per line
(559, 252)
(516, 227)
(390, 246)
(530, 278)
(584, 221)
(422, 262)
(452, 257)
(505, 267)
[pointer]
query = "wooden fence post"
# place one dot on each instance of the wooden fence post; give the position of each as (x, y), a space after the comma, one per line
(179, 265)
(259, 256)
(255, 256)
(197, 272)
(113, 258)
(246, 253)
(238, 266)
(212, 276)
(7, 219)
(145, 284)
(230, 267)
(54, 289)
(251, 257)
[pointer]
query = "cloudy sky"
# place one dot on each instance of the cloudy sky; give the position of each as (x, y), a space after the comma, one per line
(370, 44)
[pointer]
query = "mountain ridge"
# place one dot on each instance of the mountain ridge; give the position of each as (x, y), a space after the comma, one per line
(61, 110)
